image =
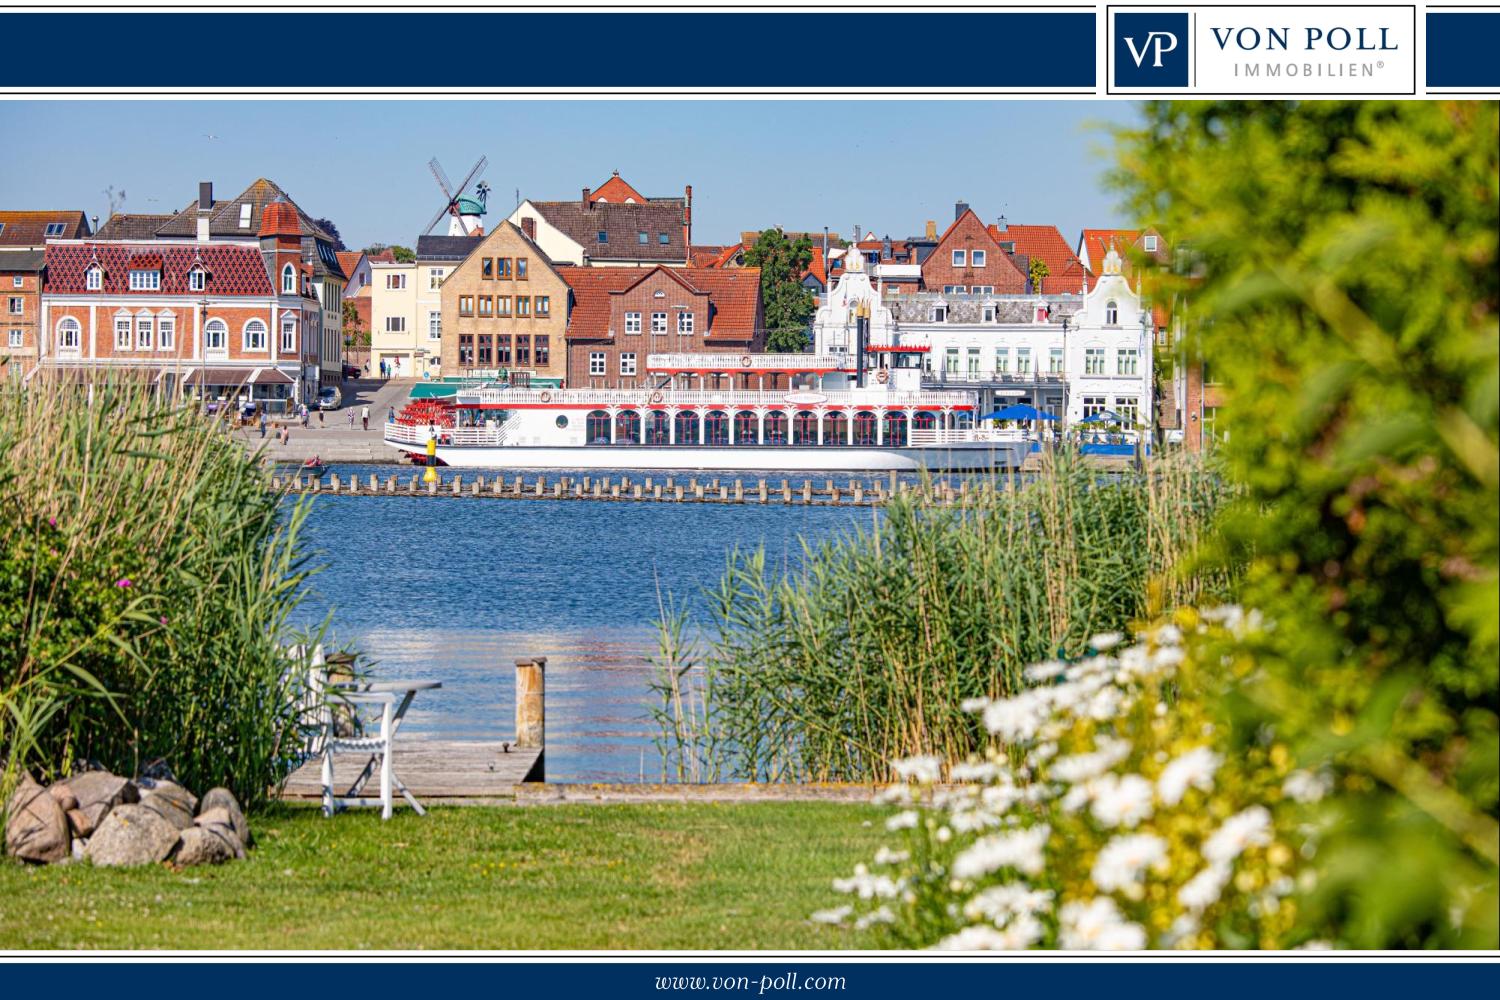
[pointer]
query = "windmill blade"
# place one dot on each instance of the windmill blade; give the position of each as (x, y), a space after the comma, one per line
(436, 219)
(478, 166)
(442, 178)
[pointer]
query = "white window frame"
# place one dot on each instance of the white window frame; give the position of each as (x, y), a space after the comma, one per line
(247, 344)
(245, 215)
(288, 335)
(166, 333)
(56, 228)
(68, 329)
(123, 333)
(1111, 313)
(197, 279)
(940, 313)
(598, 363)
(17, 337)
(1127, 361)
(395, 324)
(977, 258)
(960, 258)
(627, 363)
(216, 330)
(395, 282)
(1093, 361)
(1023, 361)
(1148, 243)
(145, 281)
(145, 332)
(93, 278)
(434, 324)
(987, 313)
(288, 280)
(685, 324)
(17, 306)
(658, 324)
(1129, 408)
(1056, 361)
(435, 277)
(1002, 361)
(1094, 404)
(18, 281)
(632, 322)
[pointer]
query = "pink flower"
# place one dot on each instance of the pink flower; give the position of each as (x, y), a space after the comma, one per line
(163, 619)
(52, 521)
(123, 582)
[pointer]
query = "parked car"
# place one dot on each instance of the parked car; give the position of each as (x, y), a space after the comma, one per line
(329, 398)
(351, 371)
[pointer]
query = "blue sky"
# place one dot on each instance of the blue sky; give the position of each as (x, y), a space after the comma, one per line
(884, 165)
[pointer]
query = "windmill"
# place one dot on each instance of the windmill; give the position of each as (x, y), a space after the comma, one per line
(465, 214)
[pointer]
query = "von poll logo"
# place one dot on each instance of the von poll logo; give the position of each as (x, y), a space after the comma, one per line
(1151, 50)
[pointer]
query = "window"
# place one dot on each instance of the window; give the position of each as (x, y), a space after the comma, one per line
(973, 362)
(685, 324)
(486, 306)
(940, 314)
(632, 322)
(982, 289)
(288, 335)
(288, 280)
(960, 258)
(522, 272)
(486, 345)
(17, 282)
(245, 216)
(166, 333)
(1002, 361)
(17, 304)
(1126, 361)
(955, 289)
(435, 277)
(978, 258)
(596, 362)
(395, 324)
(523, 306)
(658, 322)
(502, 349)
(502, 267)
(1111, 313)
(663, 239)
(603, 236)
(434, 325)
(487, 268)
(395, 282)
(255, 335)
(1093, 361)
(627, 363)
(543, 306)
(523, 350)
(988, 313)
(466, 305)
(543, 350)
(1129, 410)
(502, 306)
(1092, 406)
(56, 228)
(1023, 361)
(94, 279)
(1055, 361)
(15, 338)
(145, 281)
(643, 237)
(197, 279)
(145, 332)
(69, 334)
(950, 361)
(1148, 243)
(122, 333)
(215, 335)
(465, 350)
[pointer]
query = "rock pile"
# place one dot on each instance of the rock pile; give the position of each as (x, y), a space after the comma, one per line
(114, 821)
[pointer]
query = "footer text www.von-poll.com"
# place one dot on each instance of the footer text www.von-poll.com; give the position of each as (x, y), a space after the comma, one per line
(759, 985)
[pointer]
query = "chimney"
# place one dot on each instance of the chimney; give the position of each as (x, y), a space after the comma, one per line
(528, 226)
(959, 208)
(931, 229)
(205, 207)
(585, 199)
(856, 236)
(886, 251)
(687, 222)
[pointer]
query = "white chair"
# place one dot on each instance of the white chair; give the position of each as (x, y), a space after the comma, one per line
(377, 746)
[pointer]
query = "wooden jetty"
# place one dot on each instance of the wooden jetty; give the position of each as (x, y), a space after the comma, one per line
(453, 772)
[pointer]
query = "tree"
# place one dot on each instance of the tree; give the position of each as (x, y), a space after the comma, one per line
(1344, 285)
(403, 255)
(788, 305)
(327, 226)
(1038, 271)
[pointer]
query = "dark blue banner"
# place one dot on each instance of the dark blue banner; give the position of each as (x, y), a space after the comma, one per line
(1463, 49)
(286, 49)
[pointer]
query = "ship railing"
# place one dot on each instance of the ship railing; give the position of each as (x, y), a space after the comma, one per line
(657, 398)
(417, 434)
(961, 435)
(729, 363)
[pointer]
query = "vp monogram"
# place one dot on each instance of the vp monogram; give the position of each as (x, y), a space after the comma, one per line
(1157, 42)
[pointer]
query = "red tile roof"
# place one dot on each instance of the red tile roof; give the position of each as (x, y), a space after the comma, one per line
(348, 260)
(1065, 272)
(29, 229)
(1099, 241)
(280, 219)
(617, 190)
(232, 270)
(734, 294)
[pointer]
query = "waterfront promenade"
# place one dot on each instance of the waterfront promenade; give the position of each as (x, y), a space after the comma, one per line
(332, 438)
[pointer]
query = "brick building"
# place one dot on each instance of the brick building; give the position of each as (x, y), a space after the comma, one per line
(23, 237)
(613, 226)
(968, 260)
(618, 318)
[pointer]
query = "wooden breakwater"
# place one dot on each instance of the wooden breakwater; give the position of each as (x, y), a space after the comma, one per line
(669, 489)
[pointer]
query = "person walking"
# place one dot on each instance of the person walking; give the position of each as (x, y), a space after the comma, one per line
(262, 425)
(303, 415)
(364, 414)
(351, 418)
(322, 420)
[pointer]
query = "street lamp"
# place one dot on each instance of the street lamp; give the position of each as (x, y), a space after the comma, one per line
(202, 348)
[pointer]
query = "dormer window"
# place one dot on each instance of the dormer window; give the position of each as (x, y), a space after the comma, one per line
(1148, 244)
(603, 236)
(56, 228)
(145, 281)
(663, 239)
(643, 237)
(197, 279)
(93, 278)
(988, 313)
(288, 280)
(245, 211)
(940, 312)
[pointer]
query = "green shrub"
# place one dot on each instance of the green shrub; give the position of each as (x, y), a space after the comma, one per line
(147, 574)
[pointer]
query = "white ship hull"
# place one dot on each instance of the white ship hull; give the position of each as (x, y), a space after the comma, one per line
(964, 457)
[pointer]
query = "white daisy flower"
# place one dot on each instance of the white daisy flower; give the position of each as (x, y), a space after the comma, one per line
(1194, 769)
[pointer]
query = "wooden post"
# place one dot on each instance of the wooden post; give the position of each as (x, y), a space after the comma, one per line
(333, 482)
(859, 492)
(374, 484)
(432, 488)
(531, 705)
(807, 491)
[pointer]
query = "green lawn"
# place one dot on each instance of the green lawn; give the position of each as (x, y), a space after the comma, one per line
(566, 876)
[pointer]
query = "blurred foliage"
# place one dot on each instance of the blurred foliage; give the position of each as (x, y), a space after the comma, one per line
(1338, 262)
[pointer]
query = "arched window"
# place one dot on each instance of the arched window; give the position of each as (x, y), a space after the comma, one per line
(687, 427)
(835, 428)
(658, 427)
(69, 334)
(1111, 313)
(216, 335)
(145, 331)
(805, 427)
(775, 427)
(864, 427)
(288, 281)
(716, 427)
(746, 427)
(924, 420)
(627, 427)
(596, 428)
(255, 335)
(895, 429)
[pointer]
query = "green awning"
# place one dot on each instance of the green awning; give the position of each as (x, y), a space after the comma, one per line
(434, 390)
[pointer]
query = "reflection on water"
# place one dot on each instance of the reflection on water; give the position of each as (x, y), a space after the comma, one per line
(456, 591)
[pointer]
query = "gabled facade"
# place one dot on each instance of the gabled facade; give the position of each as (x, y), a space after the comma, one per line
(968, 259)
(1095, 244)
(505, 308)
(1065, 273)
(23, 239)
(622, 229)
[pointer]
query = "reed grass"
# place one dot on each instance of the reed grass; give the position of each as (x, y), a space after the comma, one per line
(147, 578)
(864, 652)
